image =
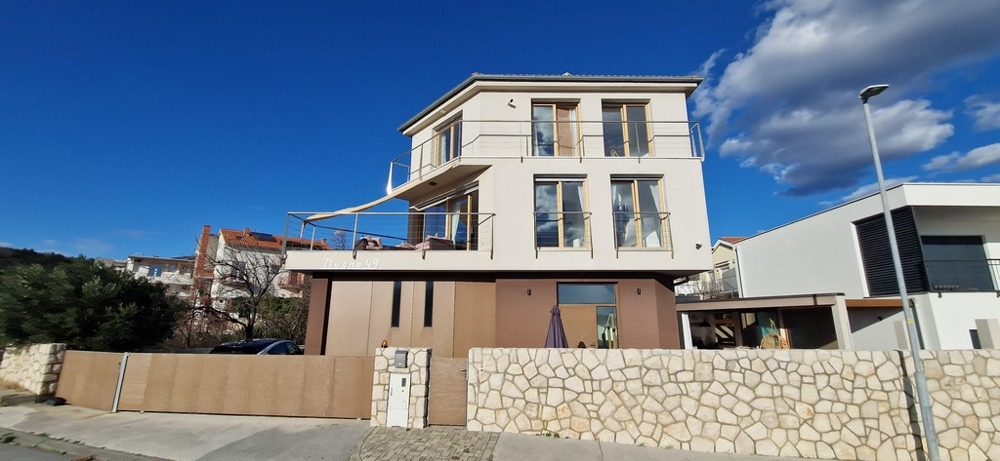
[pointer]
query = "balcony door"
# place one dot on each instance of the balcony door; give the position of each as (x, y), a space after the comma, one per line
(554, 130)
(592, 324)
(626, 132)
(956, 263)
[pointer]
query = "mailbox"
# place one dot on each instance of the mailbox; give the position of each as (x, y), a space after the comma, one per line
(400, 359)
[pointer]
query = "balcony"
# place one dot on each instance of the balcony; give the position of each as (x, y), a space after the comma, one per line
(372, 230)
(962, 275)
(585, 141)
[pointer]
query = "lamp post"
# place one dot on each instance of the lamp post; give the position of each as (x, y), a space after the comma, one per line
(923, 397)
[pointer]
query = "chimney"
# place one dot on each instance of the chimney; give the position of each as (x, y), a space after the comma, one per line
(246, 231)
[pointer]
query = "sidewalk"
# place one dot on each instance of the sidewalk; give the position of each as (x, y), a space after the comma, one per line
(187, 437)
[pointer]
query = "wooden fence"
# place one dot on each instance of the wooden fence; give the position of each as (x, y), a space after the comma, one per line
(318, 386)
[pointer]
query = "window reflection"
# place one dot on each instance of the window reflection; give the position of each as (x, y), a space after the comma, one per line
(559, 215)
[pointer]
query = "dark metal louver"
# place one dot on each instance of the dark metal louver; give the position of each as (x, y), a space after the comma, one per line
(876, 255)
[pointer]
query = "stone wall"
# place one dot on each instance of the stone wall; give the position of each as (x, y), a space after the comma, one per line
(851, 405)
(418, 367)
(35, 368)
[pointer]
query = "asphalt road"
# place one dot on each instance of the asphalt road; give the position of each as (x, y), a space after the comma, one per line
(14, 452)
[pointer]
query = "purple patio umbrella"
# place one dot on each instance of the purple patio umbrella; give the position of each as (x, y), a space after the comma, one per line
(557, 335)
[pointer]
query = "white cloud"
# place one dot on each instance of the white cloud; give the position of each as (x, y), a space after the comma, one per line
(991, 178)
(790, 103)
(986, 113)
(975, 158)
(6, 244)
(868, 189)
(137, 233)
(92, 246)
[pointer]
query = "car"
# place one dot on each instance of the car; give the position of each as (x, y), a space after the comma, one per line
(258, 347)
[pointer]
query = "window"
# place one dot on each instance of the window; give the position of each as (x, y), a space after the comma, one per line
(554, 129)
(585, 293)
(455, 219)
(155, 270)
(639, 219)
(956, 263)
(429, 303)
(397, 292)
(626, 133)
(449, 143)
(560, 220)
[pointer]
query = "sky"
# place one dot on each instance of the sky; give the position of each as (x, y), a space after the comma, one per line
(127, 126)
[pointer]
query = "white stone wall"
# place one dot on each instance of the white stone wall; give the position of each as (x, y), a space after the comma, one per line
(418, 366)
(851, 405)
(35, 368)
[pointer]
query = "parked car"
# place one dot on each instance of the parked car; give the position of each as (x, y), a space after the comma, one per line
(259, 347)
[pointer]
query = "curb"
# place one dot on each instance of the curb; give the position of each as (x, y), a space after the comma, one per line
(75, 450)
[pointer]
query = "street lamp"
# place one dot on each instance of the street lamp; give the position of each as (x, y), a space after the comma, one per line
(923, 397)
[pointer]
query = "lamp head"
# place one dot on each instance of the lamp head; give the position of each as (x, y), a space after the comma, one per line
(873, 90)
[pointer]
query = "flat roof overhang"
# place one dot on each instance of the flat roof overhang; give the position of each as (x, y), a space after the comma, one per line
(765, 302)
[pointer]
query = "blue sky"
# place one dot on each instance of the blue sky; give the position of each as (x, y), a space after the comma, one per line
(126, 126)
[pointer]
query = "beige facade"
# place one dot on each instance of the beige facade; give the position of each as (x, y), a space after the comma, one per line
(518, 185)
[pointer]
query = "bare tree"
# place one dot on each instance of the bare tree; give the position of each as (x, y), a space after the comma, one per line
(339, 240)
(246, 281)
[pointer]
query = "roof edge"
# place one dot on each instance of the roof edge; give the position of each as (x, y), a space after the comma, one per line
(693, 79)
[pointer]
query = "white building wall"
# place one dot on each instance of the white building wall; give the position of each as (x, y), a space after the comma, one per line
(964, 221)
(946, 319)
(818, 254)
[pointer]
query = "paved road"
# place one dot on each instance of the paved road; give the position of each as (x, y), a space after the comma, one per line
(13, 452)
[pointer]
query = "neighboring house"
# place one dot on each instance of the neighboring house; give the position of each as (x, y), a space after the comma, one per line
(175, 273)
(720, 282)
(220, 258)
(523, 192)
(949, 242)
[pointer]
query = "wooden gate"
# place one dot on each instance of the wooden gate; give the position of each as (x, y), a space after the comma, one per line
(447, 392)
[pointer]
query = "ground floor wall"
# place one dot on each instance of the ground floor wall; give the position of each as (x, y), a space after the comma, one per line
(351, 315)
(851, 405)
(948, 320)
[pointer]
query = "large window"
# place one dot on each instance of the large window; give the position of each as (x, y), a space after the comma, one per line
(956, 263)
(554, 129)
(639, 216)
(455, 219)
(560, 220)
(449, 142)
(626, 133)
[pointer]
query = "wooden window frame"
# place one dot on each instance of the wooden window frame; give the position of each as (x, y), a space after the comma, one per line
(561, 221)
(577, 146)
(622, 109)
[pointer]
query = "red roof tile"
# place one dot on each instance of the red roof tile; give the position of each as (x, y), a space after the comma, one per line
(248, 238)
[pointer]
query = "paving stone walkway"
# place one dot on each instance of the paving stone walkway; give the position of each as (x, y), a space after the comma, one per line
(433, 443)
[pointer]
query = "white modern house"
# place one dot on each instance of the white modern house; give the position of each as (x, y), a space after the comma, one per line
(523, 192)
(229, 263)
(175, 273)
(949, 241)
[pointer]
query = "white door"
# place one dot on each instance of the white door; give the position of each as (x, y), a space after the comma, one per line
(399, 400)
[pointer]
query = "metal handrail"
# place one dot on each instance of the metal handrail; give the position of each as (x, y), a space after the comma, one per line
(344, 231)
(622, 219)
(560, 237)
(516, 139)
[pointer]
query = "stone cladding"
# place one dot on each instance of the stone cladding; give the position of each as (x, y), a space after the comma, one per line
(850, 405)
(35, 368)
(418, 366)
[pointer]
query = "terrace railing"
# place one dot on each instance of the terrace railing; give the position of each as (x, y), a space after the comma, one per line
(963, 275)
(583, 140)
(392, 231)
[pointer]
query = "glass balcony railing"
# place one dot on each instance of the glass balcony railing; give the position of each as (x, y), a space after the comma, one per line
(583, 140)
(963, 275)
